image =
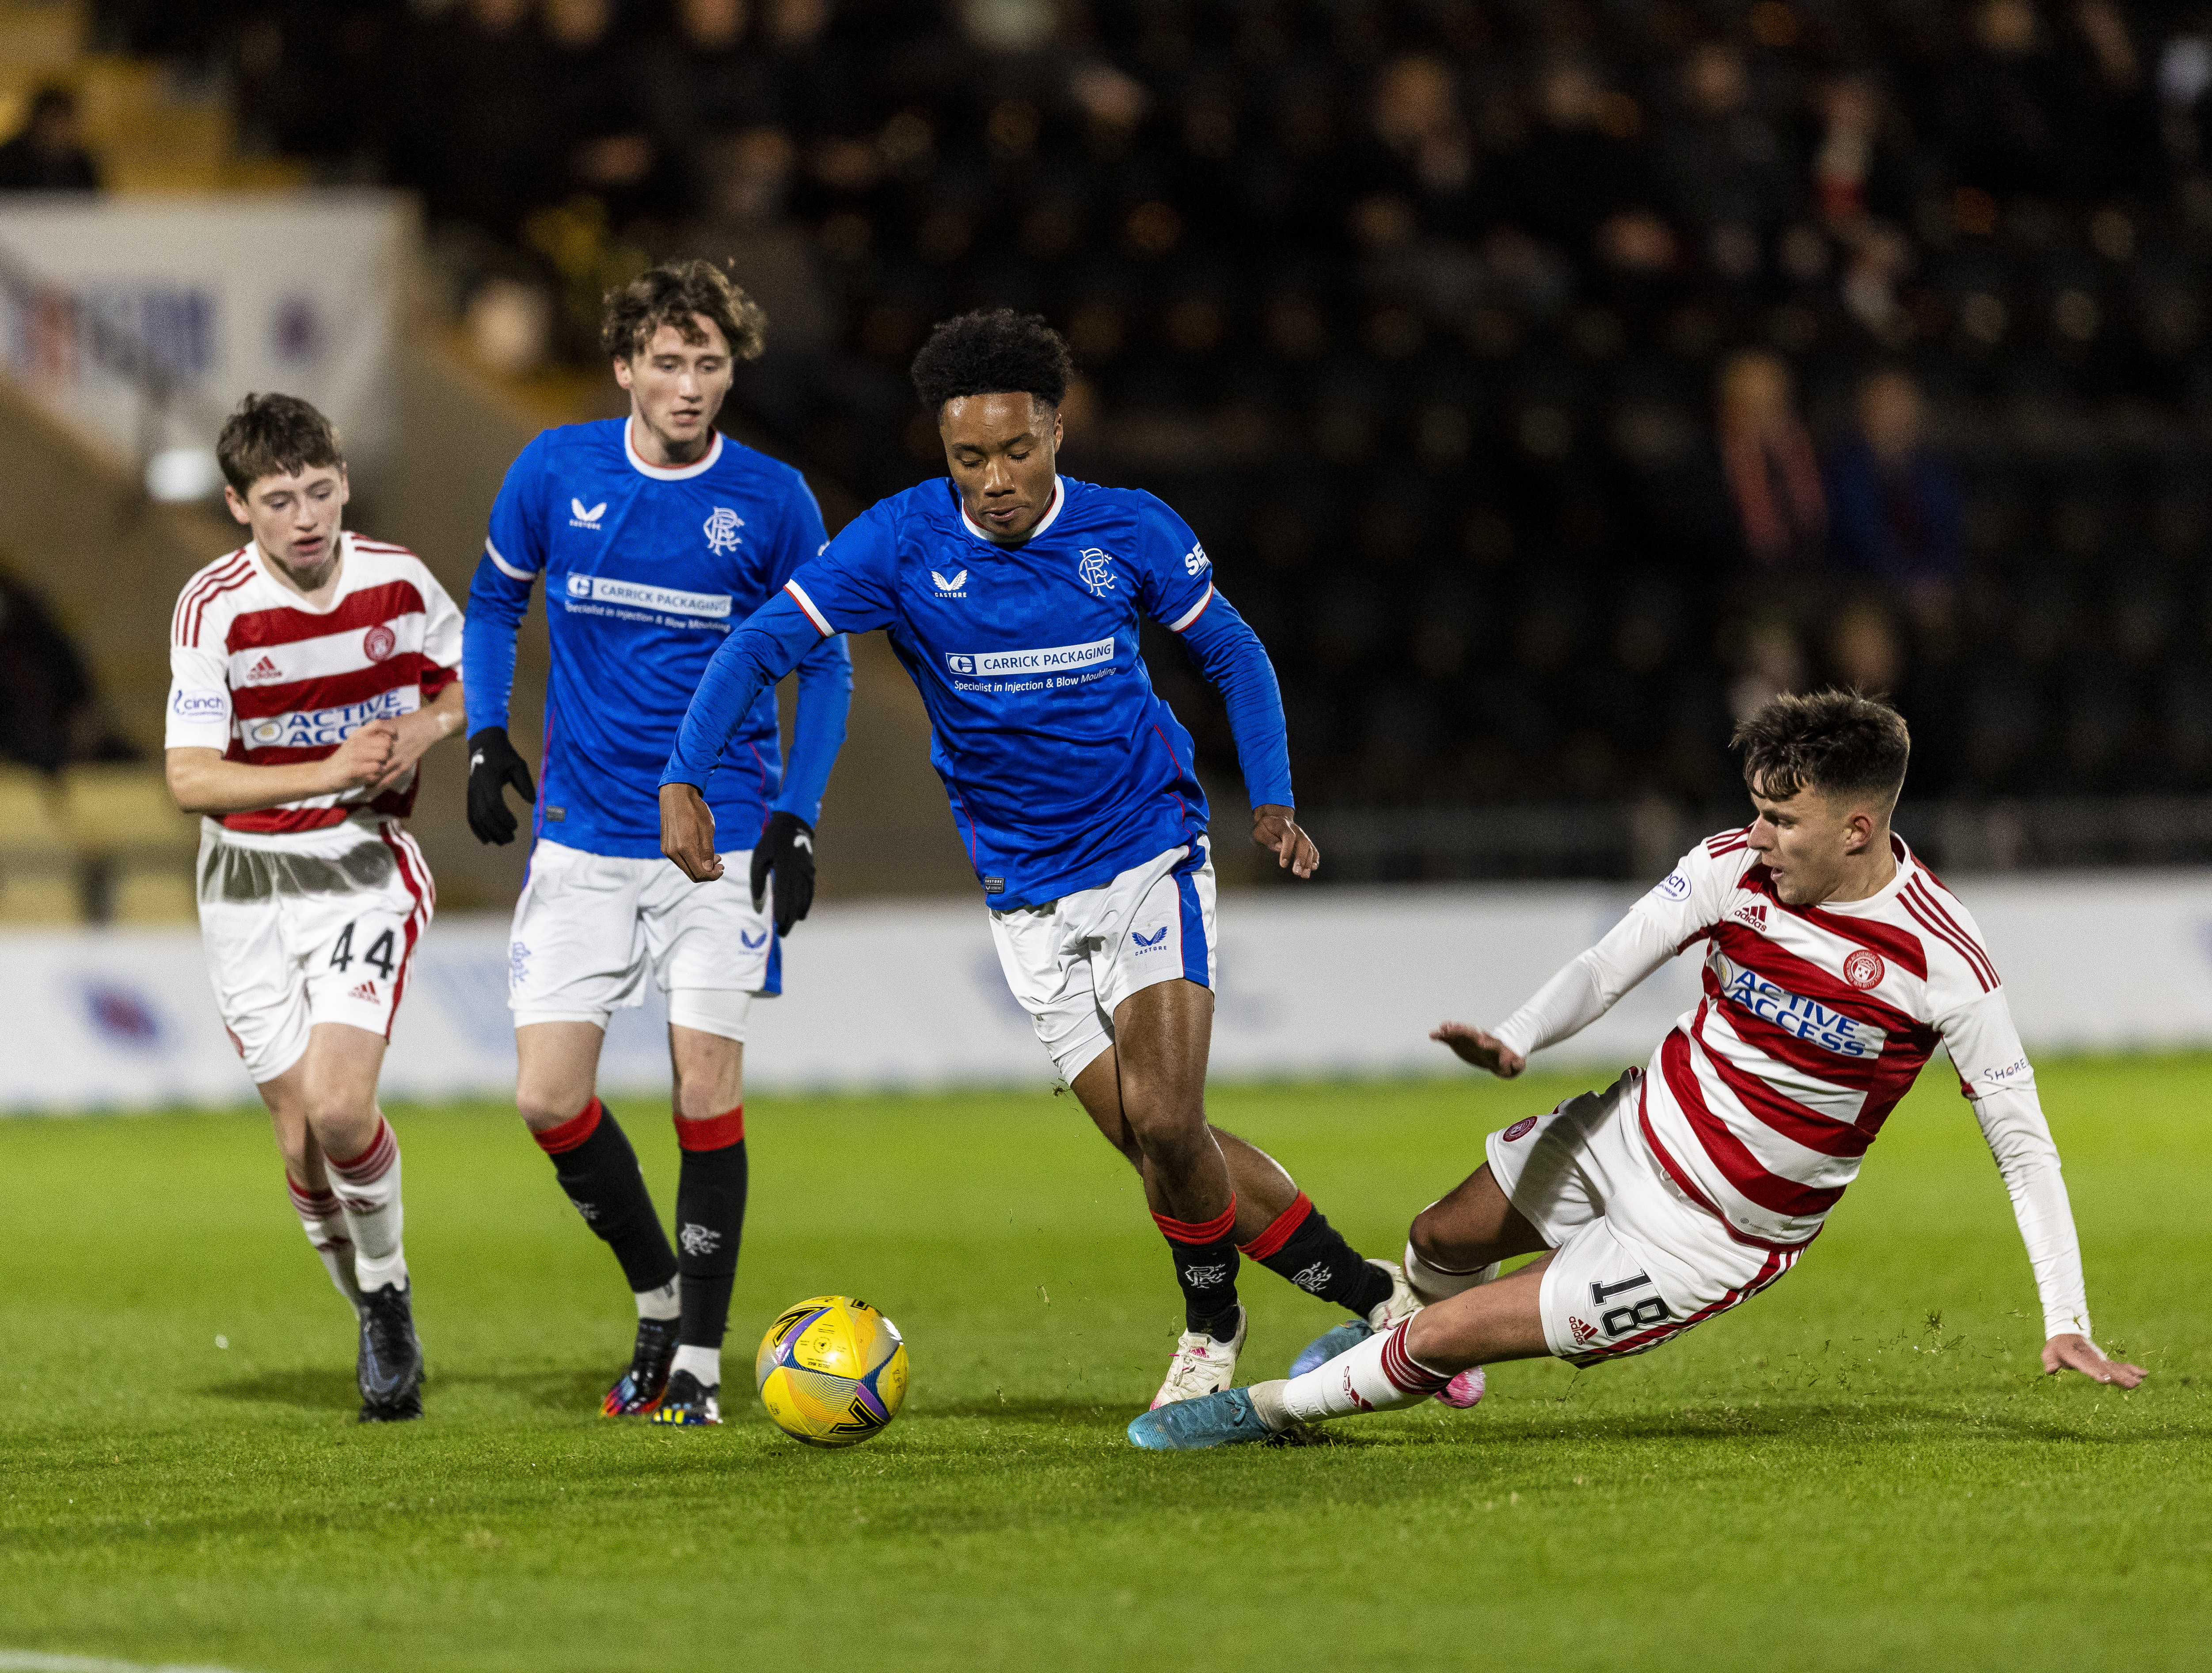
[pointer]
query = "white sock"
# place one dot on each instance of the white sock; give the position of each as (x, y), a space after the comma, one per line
(704, 1363)
(662, 1303)
(1378, 1375)
(368, 1188)
(324, 1221)
(1434, 1283)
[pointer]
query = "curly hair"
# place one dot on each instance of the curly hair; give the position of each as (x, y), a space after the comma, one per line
(992, 352)
(1834, 742)
(274, 435)
(675, 295)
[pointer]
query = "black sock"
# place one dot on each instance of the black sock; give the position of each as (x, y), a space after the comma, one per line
(1206, 1267)
(710, 1219)
(1302, 1247)
(592, 1160)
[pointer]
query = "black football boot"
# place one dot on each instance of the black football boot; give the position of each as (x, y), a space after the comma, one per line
(641, 1387)
(390, 1367)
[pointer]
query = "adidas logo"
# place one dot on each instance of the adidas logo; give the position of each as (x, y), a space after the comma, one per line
(364, 990)
(1754, 915)
(265, 669)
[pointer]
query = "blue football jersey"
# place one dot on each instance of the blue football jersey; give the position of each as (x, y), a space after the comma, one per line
(646, 568)
(1063, 765)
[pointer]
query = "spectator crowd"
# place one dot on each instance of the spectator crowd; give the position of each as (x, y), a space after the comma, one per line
(1550, 379)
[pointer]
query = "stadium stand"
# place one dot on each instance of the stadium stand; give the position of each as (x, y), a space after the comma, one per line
(1550, 381)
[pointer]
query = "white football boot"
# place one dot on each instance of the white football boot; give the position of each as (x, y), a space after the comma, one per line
(1202, 1364)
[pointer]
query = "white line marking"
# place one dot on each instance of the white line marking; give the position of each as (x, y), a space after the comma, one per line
(33, 1661)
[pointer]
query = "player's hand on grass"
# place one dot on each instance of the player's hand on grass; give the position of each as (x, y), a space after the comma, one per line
(687, 832)
(1483, 1051)
(493, 764)
(787, 849)
(2078, 1353)
(364, 757)
(1273, 828)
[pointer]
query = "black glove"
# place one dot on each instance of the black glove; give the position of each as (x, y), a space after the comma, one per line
(786, 848)
(493, 766)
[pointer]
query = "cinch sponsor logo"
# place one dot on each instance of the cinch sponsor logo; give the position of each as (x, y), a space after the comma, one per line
(604, 589)
(1046, 661)
(1807, 1019)
(1674, 887)
(201, 704)
(310, 729)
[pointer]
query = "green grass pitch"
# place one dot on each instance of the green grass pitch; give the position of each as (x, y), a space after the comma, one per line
(1861, 1468)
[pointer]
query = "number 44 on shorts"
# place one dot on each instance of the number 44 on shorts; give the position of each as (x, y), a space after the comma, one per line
(381, 956)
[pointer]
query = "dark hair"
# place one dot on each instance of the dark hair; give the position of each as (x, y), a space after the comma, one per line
(274, 435)
(54, 99)
(998, 352)
(674, 295)
(1835, 742)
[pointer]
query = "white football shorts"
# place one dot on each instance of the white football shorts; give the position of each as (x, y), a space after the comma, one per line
(588, 928)
(308, 927)
(1637, 1262)
(1071, 962)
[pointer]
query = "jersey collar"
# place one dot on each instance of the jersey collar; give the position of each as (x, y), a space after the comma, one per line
(670, 473)
(299, 601)
(1059, 504)
(1907, 869)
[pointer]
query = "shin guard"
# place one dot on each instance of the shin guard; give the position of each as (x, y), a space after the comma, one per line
(1206, 1265)
(1302, 1247)
(324, 1221)
(367, 1189)
(593, 1158)
(710, 1219)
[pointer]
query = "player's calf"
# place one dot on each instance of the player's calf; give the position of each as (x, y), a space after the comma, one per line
(597, 1170)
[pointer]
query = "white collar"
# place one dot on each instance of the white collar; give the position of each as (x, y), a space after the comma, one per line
(1059, 504)
(669, 473)
(294, 598)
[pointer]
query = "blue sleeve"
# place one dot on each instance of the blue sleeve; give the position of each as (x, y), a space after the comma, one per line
(1175, 576)
(1230, 655)
(763, 648)
(817, 731)
(825, 673)
(513, 554)
(497, 602)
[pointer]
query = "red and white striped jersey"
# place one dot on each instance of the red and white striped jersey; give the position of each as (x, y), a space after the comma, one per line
(259, 674)
(1815, 1021)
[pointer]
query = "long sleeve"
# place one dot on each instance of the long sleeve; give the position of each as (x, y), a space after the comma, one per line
(497, 602)
(1589, 985)
(1230, 655)
(761, 651)
(817, 731)
(2019, 1138)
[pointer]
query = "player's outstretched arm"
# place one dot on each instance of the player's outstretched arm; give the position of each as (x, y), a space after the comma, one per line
(203, 781)
(1484, 1050)
(687, 832)
(2077, 1353)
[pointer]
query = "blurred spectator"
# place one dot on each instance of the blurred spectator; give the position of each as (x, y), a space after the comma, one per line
(1771, 473)
(476, 128)
(49, 713)
(594, 81)
(49, 154)
(1724, 162)
(1999, 109)
(1894, 505)
(1582, 167)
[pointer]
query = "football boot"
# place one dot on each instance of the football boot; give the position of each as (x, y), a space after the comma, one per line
(1224, 1418)
(688, 1403)
(639, 1388)
(1202, 1364)
(389, 1368)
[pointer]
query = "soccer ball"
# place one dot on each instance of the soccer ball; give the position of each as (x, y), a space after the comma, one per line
(831, 1371)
